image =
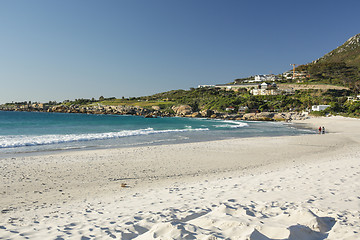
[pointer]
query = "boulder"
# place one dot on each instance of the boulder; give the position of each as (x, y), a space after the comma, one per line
(279, 117)
(249, 116)
(59, 108)
(182, 110)
(150, 116)
(264, 116)
(206, 113)
(196, 114)
(156, 108)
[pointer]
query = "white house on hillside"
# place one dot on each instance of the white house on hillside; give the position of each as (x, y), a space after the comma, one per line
(265, 89)
(319, 107)
(354, 99)
(206, 86)
(263, 78)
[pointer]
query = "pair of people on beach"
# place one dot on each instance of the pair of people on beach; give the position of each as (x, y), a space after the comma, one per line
(321, 130)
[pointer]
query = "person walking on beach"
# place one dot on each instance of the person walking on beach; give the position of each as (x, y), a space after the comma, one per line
(320, 130)
(323, 130)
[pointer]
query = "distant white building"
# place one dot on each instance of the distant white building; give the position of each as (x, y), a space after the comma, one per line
(319, 107)
(263, 78)
(266, 89)
(230, 109)
(264, 85)
(205, 86)
(354, 99)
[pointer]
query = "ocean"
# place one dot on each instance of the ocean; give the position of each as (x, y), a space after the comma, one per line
(29, 132)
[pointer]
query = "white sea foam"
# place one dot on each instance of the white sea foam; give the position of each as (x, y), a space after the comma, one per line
(22, 140)
(231, 124)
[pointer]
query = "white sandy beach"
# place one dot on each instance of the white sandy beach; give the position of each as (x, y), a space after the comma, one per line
(294, 187)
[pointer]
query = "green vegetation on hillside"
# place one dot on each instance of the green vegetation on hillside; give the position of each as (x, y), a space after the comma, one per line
(138, 102)
(340, 66)
(337, 73)
(349, 53)
(217, 99)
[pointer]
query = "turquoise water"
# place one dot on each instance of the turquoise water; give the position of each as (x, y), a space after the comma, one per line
(33, 131)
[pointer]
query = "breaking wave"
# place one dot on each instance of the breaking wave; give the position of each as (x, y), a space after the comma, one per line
(23, 140)
(231, 124)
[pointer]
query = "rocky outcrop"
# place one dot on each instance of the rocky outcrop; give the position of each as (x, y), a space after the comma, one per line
(156, 108)
(38, 107)
(156, 111)
(196, 115)
(182, 110)
(270, 116)
(263, 116)
(59, 108)
(206, 113)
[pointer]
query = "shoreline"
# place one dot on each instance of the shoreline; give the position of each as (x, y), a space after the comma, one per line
(46, 149)
(176, 111)
(182, 187)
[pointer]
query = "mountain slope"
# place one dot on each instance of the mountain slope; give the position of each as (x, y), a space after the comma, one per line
(348, 53)
(340, 66)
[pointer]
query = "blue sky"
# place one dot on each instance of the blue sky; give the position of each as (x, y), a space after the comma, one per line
(58, 50)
